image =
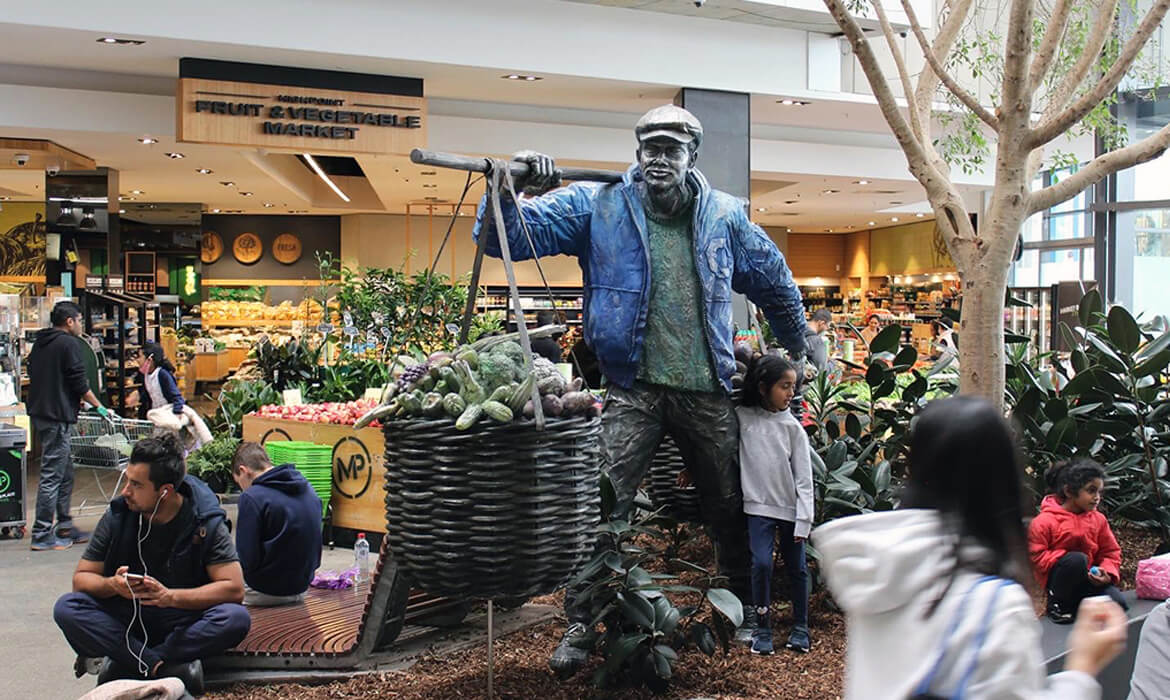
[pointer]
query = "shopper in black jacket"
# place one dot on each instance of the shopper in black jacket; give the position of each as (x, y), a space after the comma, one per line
(57, 386)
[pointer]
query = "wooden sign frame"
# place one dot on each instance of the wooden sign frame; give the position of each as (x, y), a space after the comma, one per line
(287, 249)
(248, 248)
(210, 247)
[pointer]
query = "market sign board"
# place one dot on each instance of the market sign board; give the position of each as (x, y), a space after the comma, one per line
(309, 110)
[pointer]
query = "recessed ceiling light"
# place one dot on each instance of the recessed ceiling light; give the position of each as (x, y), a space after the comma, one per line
(830, 191)
(4, 198)
(519, 76)
(861, 182)
(120, 42)
(920, 215)
(430, 187)
(792, 201)
(428, 173)
(849, 226)
(175, 155)
(137, 192)
(227, 183)
(871, 223)
(269, 205)
(761, 209)
(896, 202)
(245, 194)
(828, 230)
(203, 171)
(788, 102)
(894, 219)
(147, 140)
(125, 198)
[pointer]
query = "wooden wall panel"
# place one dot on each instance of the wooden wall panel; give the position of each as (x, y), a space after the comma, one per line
(816, 255)
(907, 250)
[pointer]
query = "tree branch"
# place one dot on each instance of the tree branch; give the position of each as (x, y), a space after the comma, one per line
(904, 75)
(1051, 128)
(1147, 149)
(1017, 100)
(1059, 97)
(916, 156)
(943, 41)
(969, 100)
(1057, 22)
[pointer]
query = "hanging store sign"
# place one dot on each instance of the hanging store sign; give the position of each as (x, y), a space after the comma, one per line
(314, 111)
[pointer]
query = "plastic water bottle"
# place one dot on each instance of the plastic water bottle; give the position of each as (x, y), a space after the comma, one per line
(361, 558)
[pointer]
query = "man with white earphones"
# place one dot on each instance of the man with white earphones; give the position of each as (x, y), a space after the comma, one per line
(160, 585)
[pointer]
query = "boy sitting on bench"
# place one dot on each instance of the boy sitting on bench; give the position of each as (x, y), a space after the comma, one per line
(278, 531)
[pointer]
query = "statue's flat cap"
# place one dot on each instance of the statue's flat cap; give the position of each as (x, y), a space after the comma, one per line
(671, 122)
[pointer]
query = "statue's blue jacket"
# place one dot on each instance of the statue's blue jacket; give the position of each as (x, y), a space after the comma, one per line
(604, 226)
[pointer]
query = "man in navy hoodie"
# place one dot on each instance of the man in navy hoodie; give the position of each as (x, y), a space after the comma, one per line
(278, 533)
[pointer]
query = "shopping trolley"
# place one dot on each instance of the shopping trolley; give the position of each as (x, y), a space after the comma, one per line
(105, 442)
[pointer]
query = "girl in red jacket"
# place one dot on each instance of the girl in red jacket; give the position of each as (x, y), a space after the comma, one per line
(1074, 553)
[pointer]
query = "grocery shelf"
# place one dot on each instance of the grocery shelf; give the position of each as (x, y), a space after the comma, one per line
(250, 323)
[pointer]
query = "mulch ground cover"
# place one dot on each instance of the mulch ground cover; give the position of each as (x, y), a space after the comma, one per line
(521, 671)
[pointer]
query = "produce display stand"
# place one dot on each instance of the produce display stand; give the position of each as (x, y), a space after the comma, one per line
(211, 366)
(359, 469)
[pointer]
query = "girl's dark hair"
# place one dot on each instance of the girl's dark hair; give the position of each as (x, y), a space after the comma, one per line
(1065, 478)
(163, 451)
(766, 370)
(155, 352)
(965, 463)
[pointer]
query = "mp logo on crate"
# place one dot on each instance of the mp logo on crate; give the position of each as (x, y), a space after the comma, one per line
(5, 482)
(352, 467)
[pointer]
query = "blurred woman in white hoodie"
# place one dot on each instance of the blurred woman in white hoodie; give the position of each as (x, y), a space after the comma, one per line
(934, 593)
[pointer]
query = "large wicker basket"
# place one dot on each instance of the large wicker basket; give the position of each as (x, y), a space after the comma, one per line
(492, 512)
(682, 504)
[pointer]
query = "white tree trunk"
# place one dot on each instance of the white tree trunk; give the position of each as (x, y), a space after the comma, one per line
(981, 358)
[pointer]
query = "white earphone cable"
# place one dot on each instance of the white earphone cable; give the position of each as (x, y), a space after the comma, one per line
(136, 606)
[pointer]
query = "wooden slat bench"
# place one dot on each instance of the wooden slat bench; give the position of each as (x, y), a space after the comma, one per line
(342, 629)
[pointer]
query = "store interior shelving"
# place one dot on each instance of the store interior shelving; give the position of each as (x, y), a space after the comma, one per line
(567, 300)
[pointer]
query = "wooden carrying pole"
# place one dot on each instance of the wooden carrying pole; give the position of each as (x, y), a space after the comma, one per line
(516, 168)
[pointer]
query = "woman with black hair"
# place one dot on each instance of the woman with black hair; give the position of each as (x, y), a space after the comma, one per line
(159, 388)
(1074, 553)
(934, 593)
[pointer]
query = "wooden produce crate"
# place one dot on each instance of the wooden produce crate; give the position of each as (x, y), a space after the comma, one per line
(236, 357)
(359, 469)
(211, 366)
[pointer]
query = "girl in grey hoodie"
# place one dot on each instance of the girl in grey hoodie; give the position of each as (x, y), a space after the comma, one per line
(776, 477)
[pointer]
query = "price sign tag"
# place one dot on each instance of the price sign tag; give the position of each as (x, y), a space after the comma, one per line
(374, 393)
(347, 318)
(292, 397)
(372, 336)
(325, 328)
(386, 333)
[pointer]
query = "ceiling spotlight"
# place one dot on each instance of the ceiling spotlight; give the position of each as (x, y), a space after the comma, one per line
(828, 230)
(125, 198)
(120, 42)
(792, 201)
(894, 219)
(137, 192)
(761, 209)
(871, 223)
(87, 220)
(227, 183)
(518, 76)
(146, 140)
(65, 218)
(245, 194)
(203, 171)
(175, 156)
(920, 215)
(4, 198)
(849, 226)
(861, 182)
(214, 211)
(428, 173)
(430, 187)
(830, 191)
(788, 102)
(269, 205)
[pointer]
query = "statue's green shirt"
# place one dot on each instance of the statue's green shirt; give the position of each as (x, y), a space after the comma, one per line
(675, 352)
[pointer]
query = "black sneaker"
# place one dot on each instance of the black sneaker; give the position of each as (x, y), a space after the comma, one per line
(113, 671)
(799, 640)
(84, 664)
(571, 654)
(1058, 614)
(745, 632)
(190, 672)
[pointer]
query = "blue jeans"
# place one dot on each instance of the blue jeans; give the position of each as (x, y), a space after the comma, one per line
(56, 483)
(97, 628)
(761, 539)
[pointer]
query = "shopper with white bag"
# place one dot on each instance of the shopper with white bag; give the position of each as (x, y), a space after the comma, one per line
(160, 402)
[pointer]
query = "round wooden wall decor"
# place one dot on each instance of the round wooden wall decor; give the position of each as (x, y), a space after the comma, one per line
(286, 248)
(247, 248)
(211, 247)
